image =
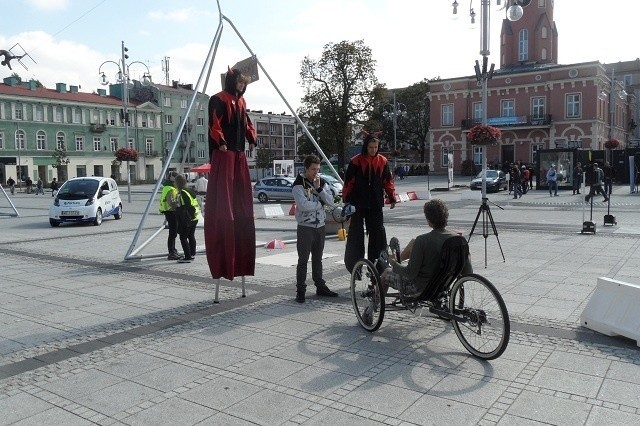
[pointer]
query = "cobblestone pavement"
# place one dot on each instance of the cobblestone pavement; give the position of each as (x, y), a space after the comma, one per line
(87, 338)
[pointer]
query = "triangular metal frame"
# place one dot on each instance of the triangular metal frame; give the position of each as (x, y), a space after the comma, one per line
(133, 253)
(15, 211)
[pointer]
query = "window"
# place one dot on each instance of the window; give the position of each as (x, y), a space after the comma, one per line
(201, 153)
(144, 123)
(168, 136)
(573, 105)
(1, 140)
(542, 3)
(41, 140)
(97, 143)
(18, 112)
(167, 102)
(628, 81)
(445, 157)
(131, 143)
(20, 140)
(58, 115)
(537, 108)
(200, 137)
(477, 155)
(77, 115)
(543, 54)
(508, 108)
(168, 119)
(148, 146)
(200, 121)
(79, 143)
(183, 103)
(477, 111)
(447, 115)
(543, 32)
(60, 141)
(113, 144)
(39, 113)
(534, 151)
(523, 45)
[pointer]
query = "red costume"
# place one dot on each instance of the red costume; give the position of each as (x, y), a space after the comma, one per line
(229, 228)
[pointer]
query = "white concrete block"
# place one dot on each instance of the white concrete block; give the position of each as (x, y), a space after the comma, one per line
(423, 195)
(269, 211)
(467, 194)
(614, 309)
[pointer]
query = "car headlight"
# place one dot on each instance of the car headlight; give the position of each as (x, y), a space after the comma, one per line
(90, 201)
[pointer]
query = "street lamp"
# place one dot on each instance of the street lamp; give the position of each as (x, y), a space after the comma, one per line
(122, 77)
(514, 13)
(392, 112)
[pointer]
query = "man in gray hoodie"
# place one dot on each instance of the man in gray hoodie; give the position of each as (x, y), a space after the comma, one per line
(311, 194)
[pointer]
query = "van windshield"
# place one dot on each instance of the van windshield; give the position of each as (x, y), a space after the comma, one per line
(78, 189)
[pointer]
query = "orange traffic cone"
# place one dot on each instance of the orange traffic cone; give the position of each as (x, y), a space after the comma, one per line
(292, 210)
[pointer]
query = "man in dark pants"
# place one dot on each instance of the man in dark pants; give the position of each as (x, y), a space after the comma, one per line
(366, 181)
(609, 175)
(596, 184)
(167, 202)
(311, 194)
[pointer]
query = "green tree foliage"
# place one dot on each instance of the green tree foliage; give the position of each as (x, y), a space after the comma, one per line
(412, 128)
(263, 158)
(339, 90)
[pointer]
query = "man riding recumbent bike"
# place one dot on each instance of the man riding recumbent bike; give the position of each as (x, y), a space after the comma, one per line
(438, 277)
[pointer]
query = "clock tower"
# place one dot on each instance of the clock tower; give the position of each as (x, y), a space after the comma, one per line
(531, 40)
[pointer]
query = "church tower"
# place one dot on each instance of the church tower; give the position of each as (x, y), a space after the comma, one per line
(531, 40)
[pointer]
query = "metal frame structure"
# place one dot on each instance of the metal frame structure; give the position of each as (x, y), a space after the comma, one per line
(15, 211)
(134, 251)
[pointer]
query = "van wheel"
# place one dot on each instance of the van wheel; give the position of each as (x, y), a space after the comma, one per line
(262, 197)
(54, 223)
(98, 220)
(118, 214)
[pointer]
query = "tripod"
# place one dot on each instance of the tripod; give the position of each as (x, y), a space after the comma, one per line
(486, 213)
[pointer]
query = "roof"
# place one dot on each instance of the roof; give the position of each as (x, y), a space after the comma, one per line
(44, 93)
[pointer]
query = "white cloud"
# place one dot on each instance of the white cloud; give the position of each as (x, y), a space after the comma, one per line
(48, 4)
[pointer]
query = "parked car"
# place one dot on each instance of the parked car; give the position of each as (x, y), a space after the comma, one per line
(86, 199)
(334, 184)
(496, 180)
(273, 188)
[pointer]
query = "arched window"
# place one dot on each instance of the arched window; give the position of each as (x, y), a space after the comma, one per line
(523, 45)
(543, 54)
(543, 32)
(60, 141)
(41, 140)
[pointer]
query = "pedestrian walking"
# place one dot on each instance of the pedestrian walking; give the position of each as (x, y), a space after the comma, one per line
(577, 178)
(12, 185)
(597, 178)
(187, 211)
(552, 181)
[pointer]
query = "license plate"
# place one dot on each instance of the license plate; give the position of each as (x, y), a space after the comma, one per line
(70, 213)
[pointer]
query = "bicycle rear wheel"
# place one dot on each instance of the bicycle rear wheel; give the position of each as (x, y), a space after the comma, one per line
(366, 295)
(486, 328)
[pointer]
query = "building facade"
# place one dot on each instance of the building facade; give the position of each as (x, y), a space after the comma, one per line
(64, 133)
(537, 103)
(276, 132)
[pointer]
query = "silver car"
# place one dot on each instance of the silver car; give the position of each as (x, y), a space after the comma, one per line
(334, 184)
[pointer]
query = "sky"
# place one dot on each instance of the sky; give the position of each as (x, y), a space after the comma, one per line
(411, 40)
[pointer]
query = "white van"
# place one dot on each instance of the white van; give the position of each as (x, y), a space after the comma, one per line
(86, 199)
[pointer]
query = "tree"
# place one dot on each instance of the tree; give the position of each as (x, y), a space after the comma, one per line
(60, 160)
(263, 158)
(413, 128)
(338, 91)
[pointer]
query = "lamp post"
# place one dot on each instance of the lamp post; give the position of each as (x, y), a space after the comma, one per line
(622, 94)
(392, 112)
(514, 13)
(122, 77)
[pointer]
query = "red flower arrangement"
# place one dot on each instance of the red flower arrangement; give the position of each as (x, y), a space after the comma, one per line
(612, 144)
(483, 135)
(126, 154)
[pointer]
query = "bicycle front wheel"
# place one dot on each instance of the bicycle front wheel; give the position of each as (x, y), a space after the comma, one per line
(485, 330)
(366, 295)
